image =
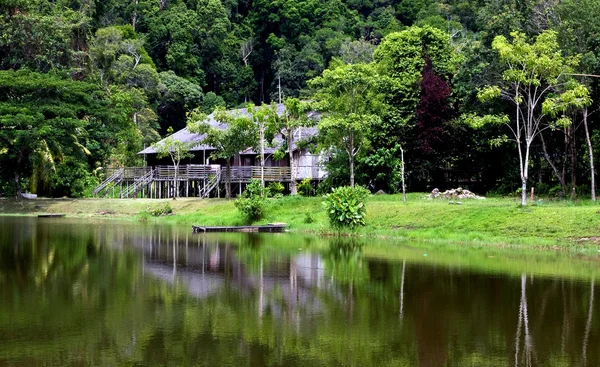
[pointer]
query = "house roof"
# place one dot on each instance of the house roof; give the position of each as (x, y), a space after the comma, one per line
(184, 135)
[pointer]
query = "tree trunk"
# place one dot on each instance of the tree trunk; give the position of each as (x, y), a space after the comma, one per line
(17, 179)
(524, 172)
(228, 180)
(134, 15)
(175, 182)
(590, 152)
(351, 157)
(262, 156)
(573, 152)
(402, 172)
(293, 185)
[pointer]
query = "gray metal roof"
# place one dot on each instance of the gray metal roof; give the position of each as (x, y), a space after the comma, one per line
(184, 135)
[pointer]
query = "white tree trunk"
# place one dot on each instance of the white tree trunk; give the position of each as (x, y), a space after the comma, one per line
(262, 155)
(591, 154)
(293, 185)
(402, 172)
(351, 157)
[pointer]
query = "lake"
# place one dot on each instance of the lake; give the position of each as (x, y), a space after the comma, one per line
(108, 293)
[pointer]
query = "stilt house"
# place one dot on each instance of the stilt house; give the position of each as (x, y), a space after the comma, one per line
(202, 176)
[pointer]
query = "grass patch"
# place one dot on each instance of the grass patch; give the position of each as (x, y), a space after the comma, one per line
(495, 221)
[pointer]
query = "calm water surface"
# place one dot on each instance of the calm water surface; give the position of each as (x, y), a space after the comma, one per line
(82, 292)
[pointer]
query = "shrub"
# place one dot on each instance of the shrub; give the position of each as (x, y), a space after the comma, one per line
(345, 207)
(251, 203)
(275, 189)
(309, 217)
(305, 188)
(160, 211)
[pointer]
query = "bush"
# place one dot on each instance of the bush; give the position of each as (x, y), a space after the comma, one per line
(345, 207)
(275, 189)
(305, 188)
(309, 217)
(251, 203)
(160, 211)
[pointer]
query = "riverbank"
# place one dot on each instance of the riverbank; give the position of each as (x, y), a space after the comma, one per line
(500, 222)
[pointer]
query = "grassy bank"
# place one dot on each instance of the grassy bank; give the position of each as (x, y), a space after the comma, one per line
(492, 221)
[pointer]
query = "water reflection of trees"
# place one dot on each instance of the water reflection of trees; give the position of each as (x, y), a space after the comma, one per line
(165, 296)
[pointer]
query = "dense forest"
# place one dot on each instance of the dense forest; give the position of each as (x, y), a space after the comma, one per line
(85, 84)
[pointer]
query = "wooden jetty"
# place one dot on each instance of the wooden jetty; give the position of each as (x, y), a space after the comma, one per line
(270, 228)
(51, 215)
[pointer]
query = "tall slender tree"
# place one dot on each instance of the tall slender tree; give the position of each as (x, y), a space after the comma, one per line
(536, 81)
(346, 95)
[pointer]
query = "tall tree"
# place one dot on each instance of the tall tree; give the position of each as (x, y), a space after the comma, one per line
(536, 81)
(294, 118)
(176, 150)
(47, 120)
(347, 96)
(231, 135)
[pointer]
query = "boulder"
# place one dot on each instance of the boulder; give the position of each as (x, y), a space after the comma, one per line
(458, 193)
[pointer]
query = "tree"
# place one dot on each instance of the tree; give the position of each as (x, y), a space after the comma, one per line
(262, 118)
(536, 82)
(295, 117)
(346, 94)
(578, 39)
(176, 150)
(46, 121)
(233, 134)
(177, 96)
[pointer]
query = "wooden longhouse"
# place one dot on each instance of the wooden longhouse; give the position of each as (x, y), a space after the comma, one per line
(201, 176)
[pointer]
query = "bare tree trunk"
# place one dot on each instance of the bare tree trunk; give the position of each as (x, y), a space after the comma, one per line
(590, 152)
(524, 169)
(262, 155)
(573, 148)
(293, 185)
(402, 172)
(228, 180)
(351, 157)
(134, 15)
(175, 182)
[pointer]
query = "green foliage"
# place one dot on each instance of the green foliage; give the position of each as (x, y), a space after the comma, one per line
(347, 96)
(309, 217)
(345, 207)
(161, 211)
(48, 120)
(306, 188)
(274, 189)
(252, 202)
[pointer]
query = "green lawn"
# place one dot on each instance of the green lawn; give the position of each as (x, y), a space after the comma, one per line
(497, 221)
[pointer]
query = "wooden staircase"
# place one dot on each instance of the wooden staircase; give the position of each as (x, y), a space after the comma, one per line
(113, 180)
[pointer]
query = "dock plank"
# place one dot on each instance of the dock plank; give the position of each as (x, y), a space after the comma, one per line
(271, 228)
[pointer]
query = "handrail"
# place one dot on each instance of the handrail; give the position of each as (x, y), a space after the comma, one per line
(211, 184)
(114, 178)
(138, 183)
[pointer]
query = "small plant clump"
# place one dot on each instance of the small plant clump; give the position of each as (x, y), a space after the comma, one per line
(162, 211)
(305, 188)
(275, 190)
(345, 207)
(309, 217)
(251, 203)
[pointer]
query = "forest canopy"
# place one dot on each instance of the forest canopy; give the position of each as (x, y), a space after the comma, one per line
(86, 84)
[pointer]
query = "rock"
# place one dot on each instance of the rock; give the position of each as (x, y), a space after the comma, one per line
(380, 192)
(434, 194)
(458, 193)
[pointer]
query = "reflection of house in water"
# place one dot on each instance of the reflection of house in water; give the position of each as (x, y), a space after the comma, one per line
(206, 264)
